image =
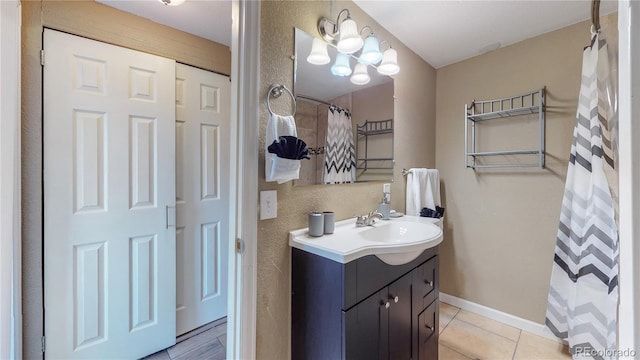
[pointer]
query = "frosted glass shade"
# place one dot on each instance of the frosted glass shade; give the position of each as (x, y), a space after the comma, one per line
(172, 2)
(360, 75)
(341, 66)
(350, 41)
(389, 64)
(371, 53)
(318, 54)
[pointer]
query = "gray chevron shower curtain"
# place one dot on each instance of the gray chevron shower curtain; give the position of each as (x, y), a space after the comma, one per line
(583, 295)
(339, 148)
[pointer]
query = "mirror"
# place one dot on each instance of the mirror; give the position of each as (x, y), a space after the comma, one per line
(370, 106)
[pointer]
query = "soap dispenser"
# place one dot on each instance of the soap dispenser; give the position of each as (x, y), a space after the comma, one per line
(384, 207)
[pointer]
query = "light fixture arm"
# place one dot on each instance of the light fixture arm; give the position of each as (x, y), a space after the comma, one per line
(339, 14)
(388, 44)
(328, 29)
(365, 28)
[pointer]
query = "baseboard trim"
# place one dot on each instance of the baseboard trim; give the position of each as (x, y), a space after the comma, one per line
(497, 315)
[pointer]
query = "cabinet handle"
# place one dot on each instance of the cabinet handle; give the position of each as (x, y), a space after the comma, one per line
(395, 299)
(431, 328)
(430, 283)
(386, 304)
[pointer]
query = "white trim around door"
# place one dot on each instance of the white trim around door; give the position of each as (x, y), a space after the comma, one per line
(10, 187)
(629, 167)
(245, 81)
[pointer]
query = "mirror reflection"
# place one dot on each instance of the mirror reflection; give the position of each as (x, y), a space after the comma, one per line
(347, 127)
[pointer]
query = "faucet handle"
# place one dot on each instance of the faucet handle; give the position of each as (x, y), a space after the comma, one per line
(360, 220)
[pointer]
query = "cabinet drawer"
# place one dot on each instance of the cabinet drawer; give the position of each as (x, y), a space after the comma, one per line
(428, 332)
(427, 281)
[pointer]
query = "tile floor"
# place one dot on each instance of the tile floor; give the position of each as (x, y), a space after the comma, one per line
(468, 336)
(463, 336)
(205, 343)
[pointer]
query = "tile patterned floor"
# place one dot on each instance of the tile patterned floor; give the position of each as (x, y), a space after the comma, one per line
(463, 336)
(468, 336)
(206, 343)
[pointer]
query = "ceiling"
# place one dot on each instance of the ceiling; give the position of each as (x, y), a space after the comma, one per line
(442, 32)
(446, 32)
(209, 19)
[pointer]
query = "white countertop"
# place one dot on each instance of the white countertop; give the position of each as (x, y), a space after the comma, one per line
(347, 243)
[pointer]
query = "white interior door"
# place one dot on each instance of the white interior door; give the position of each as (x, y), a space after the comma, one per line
(109, 175)
(202, 195)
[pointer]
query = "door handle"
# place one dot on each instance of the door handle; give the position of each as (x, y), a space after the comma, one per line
(170, 216)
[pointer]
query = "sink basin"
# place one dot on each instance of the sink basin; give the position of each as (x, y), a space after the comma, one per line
(399, 231)
(395, 241)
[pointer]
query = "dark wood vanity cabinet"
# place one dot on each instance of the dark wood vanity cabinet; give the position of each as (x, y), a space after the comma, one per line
(364, 309)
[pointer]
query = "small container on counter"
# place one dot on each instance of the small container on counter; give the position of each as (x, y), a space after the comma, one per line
(316, 223)
(329, 221)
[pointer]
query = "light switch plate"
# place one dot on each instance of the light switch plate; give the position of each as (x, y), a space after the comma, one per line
(268, 204)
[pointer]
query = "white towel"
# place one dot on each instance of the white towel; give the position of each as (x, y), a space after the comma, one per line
(423, 190)
(279, 169)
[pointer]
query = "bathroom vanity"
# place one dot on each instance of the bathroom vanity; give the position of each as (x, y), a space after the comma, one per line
(364, 308)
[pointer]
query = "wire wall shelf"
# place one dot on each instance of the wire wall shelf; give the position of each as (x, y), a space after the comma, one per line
(511, 107)
(365, 161)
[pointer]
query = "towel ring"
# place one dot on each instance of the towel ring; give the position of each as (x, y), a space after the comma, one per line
(276, 90)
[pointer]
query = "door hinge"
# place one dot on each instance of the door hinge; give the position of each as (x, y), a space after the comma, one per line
(44, 344)
(42, 57)
(239, 246)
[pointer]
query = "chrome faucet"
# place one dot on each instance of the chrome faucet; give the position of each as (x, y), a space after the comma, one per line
(368, 220)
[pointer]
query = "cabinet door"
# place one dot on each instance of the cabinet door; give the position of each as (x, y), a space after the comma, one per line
(428, 332)
(400, 328)
(424, 292)
(366, 329)
(426, 283)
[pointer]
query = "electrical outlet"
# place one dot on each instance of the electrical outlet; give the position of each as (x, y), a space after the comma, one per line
(386, 188)
(268, 204)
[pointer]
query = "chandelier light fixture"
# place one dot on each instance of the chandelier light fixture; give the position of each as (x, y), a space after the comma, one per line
(344, 35)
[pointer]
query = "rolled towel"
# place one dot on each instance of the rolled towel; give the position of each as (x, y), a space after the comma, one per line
(437, 213)
(289, 147)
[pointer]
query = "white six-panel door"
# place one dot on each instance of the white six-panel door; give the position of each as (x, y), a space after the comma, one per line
(109, 175)
(202, 195)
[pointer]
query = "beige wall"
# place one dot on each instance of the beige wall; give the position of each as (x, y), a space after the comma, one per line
(415, 127)
(500, 226)
(100, 22)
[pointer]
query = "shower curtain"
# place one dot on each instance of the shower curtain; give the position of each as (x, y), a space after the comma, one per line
(339, 148)
(583, 295)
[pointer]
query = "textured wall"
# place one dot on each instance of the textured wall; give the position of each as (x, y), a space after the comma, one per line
(501, 225)
(415, 146)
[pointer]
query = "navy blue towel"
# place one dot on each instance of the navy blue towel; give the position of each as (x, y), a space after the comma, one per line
(289, 147)
(437, 213)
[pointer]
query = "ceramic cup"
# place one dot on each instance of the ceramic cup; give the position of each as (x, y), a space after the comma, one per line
(329, 221)
(316, 224)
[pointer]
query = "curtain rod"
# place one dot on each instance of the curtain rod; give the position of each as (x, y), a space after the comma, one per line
(313, 99)
(595, 14)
